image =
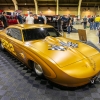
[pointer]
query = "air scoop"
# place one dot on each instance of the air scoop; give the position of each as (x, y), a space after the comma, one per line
(57, 44)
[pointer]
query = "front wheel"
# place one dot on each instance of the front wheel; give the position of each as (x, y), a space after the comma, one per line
(38, 69)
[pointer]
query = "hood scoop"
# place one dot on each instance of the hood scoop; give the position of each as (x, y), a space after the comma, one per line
(57, 44)
(52, 40)
(54, 44)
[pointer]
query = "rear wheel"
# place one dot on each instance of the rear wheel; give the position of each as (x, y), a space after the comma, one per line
(38, 69)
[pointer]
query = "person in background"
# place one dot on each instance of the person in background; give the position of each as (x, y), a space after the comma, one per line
(0, 20)
(42, 18)
(20, 19)
(36, 19)
(98, 34)
(85, 22)
(94, 25)
(0, 16)
(91, 22)
(30, 19)
(72, 20)
(69, 24)
(4, 20)
(75, 20)
(97, 21)
(24, 18)
(59, 23)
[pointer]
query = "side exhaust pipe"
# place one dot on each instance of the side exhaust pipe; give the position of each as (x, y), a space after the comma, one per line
(92, 81)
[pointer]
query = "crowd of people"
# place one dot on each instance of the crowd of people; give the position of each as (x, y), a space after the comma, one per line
(93, 21)
(30, 19)
(64, 22)
(60, 21)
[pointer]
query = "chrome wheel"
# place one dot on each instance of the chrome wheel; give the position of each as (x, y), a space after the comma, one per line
(38, 69)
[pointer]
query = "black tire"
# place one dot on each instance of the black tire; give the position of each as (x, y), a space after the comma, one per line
(38, 69)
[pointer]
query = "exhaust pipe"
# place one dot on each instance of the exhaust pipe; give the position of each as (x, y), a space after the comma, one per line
(92, 81)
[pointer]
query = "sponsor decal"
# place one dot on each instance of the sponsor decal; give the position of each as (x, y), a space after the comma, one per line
(8, 46)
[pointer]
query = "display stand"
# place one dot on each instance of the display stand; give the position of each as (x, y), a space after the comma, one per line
(82, 35)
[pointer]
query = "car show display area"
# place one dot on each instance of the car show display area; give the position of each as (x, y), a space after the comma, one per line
(17, 82)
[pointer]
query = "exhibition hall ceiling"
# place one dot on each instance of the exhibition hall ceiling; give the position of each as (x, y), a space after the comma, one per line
(62, 3)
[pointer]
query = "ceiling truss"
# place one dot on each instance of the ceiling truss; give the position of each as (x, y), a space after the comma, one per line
(70, 3)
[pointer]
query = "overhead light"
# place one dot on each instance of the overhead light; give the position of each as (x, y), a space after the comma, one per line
(25, 3)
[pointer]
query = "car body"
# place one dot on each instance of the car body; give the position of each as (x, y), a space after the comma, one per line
(62, 60)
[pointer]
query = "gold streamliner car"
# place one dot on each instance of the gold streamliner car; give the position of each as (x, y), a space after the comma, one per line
(62, 60)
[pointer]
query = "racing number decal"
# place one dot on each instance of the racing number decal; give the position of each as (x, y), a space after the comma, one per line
(8, 46)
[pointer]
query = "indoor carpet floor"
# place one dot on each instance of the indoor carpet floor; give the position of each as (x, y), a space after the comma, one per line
(17, 82)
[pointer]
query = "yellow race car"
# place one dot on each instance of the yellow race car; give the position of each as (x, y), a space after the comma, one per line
(62, 60)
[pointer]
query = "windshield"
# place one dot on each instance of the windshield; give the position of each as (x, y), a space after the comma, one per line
(39, 33)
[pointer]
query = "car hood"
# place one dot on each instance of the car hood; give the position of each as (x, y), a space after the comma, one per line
(66, 56)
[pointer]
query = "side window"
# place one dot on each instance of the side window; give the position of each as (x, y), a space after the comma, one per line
(15, 33)
(8, 31)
